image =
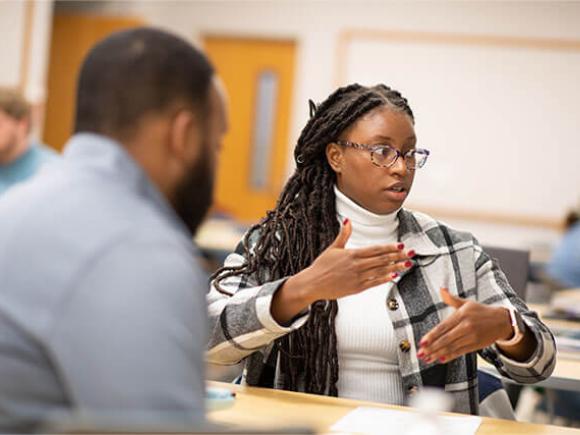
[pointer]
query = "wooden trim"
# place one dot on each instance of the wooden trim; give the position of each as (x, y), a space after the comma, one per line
(551, 44)
(246, 37)
(491, 218)
(26, 44)
(524, 43)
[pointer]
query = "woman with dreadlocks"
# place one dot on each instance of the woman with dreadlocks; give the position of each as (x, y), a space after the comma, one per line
(341, 291)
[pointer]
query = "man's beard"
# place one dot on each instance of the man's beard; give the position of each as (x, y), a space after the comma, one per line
(193, 196)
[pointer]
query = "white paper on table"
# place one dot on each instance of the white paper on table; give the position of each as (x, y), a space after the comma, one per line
(380, 421)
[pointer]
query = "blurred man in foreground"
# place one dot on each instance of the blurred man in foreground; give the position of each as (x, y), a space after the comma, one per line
(20, 158)
(102, 308)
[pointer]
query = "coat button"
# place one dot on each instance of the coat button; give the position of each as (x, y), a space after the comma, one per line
(393, 304)
(405, 346)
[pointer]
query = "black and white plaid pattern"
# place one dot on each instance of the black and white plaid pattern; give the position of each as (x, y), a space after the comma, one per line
(242, 327)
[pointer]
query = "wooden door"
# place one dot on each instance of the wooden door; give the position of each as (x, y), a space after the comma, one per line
(258, 76)
(72, 37)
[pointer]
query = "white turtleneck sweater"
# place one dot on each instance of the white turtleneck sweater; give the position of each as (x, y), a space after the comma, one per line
(367, 349)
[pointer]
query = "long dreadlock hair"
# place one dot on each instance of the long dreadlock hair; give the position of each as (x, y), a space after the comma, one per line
(301, 226)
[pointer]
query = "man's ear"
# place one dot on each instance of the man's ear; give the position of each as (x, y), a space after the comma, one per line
(335, 157)
(182, 125)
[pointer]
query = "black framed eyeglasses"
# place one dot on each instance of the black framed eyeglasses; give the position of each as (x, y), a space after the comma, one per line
(386, 156)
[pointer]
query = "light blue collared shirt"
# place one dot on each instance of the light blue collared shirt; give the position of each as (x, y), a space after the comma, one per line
(102, 301)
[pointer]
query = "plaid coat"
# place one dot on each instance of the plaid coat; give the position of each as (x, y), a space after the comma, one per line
(242, 328)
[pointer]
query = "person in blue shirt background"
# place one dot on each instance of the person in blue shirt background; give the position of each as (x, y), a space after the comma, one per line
(20, 158)
(564, 266)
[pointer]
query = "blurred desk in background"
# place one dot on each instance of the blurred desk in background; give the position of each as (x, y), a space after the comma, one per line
(564, 306)
(219, 233)
(218, 237)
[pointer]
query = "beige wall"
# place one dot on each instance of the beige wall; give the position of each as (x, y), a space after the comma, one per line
(12, 14)
(26, 28)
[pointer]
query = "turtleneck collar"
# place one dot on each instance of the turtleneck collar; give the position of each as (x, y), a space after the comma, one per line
(367, 224)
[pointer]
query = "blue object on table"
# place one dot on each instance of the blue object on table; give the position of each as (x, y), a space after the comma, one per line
(219, 398)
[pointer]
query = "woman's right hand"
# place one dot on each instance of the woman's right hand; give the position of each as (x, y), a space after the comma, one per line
(339, 272)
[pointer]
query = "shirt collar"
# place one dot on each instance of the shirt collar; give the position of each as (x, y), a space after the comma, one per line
(348, 208)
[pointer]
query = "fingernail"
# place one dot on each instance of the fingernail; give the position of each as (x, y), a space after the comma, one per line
(423, 342)
(428, 359)
(411, 254)
(420, 354)
(394, 275)
(345, 221)
(442, 359)
(408, 263)
(400, 246)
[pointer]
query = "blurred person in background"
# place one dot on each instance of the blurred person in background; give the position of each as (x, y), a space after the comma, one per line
(341, 291)
(102, 300)
(20, 158)
(563, 268)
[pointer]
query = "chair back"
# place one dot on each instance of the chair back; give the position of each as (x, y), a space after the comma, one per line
(515, 263)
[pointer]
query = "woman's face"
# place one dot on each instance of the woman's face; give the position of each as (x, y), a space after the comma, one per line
(378, 189)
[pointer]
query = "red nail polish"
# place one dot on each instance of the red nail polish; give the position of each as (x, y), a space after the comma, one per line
(420, 354)
(400, 246)
(394, 275)
(408, 263)
(442, 359)
(411, 254)
(345, 221)
(423, 342)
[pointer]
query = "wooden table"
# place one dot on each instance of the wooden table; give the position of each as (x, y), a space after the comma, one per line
(266, 408)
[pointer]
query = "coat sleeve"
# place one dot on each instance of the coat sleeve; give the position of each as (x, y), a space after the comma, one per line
(240, 319)
(494, 289)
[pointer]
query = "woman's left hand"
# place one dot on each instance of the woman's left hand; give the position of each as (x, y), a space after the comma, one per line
(470, 328)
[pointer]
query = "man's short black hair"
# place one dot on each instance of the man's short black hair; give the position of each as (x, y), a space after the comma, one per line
(135, 72)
